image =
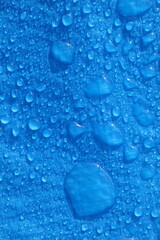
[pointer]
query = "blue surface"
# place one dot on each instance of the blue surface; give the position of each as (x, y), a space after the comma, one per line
(79, 120)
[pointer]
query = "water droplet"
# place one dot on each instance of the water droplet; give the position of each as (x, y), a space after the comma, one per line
(10, 67)
(133, 7)
(108, 134)
(23, 16)
(5, 119)
(148, 172)
(84, 227)
(129, 84)
(47, 133)
(31, 156)
(130, 153)
(32, 175)
(15, 131)
(67, 20)
(62, 52)
(138, 212)
(29, 97)
(99, 87)
(86, 8)
(86, 185)
(34, 124)
(155, 213)
(148, 72)
(115, 112)
(149, 143)
(55, 23)
(142, 114)
(17, 172)
(148, 38)
(75, 130)
(15, 108)
(44, 179)
(109, 46)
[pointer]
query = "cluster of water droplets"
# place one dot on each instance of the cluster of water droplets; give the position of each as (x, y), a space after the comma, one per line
(79, 122)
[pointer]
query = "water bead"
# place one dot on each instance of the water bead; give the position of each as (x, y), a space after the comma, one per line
(17, 172)
(32, 175)
(29, 97)
(67, 20)
(86, 9)
(142, 115)
(129, 26)
(47, 133)
(5, 119)
(10, 67)
(147, 172)
(148, 38)
(149, 143)
(148, 72)
(98, 87)
(155, 213)
(84, 227)
(15, 108)
(108, 134)
(109, 46)
(55, 22)
(89, 189)
(75, 130)
(31, 156)
(115, 112)
(138, 212)
(15, 131)
(62, 52)
(44, 179)
(130, 153)
(34, 124)
(133, 7)
(129, 84)
(23, 16)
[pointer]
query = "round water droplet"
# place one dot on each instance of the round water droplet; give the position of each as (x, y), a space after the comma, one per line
(17, 172)
(86, 8)
(23, 16)
(55, 22)
(47, 133)
(149, 143)
(34, 124)
(67, 20)
(5, 119)
(15, 108)
(29, 97)
(115, 112)
(44, 179)
(129, 26)
(32, 175)
(31, 156)
(84, 227)
(138, 212)
(155, 213)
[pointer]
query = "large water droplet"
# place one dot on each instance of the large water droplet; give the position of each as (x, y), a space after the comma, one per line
(133, 7)
(108, 134)
(90, 190)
